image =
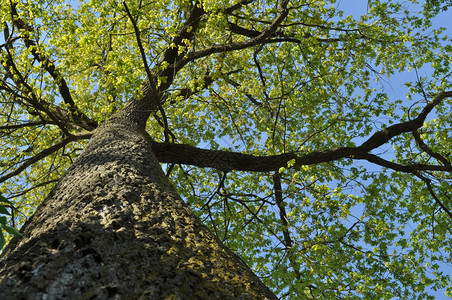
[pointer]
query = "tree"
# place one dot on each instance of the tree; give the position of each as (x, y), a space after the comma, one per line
(270, 120)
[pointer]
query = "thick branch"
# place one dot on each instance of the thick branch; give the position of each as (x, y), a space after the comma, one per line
(259, 39)
(173, 56)
(277, 187)
(175, 59)
(227, 160)
(217, 159)
(383, 136)
(426, 149)
(138, 108)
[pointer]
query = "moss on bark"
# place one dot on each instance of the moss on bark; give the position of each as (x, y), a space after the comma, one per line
(114, 228)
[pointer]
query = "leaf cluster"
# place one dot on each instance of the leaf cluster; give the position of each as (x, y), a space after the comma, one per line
(4, 227)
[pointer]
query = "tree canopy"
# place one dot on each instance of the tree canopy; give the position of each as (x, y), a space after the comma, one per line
(273, 124)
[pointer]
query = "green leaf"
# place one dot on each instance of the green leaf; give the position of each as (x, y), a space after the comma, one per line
(4, 200)
(11, 230)
(3, 210)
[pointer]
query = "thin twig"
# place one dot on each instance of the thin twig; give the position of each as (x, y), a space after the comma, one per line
(143, 54)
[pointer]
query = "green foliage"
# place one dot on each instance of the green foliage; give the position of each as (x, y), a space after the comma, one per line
(343, 228)
(4, 227)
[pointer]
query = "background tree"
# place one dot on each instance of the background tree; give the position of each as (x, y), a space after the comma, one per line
(268, 119)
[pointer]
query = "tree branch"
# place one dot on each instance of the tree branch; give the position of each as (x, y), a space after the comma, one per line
(426, 149)
(239, 5)
(227, 160)
(283, 215)
(23, 125)
(383, 136)
(173, 55)
(263, 36)
(43, 154)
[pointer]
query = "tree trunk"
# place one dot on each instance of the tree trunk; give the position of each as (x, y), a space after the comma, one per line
(114, 228)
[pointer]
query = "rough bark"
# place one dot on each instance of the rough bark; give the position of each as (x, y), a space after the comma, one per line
(114, 228)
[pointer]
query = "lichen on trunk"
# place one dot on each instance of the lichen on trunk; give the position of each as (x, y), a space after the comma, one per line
(113, 227)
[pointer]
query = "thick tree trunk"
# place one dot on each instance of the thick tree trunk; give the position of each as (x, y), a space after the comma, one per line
(114, 228)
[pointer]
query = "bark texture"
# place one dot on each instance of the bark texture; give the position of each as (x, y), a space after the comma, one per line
(114, 228)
